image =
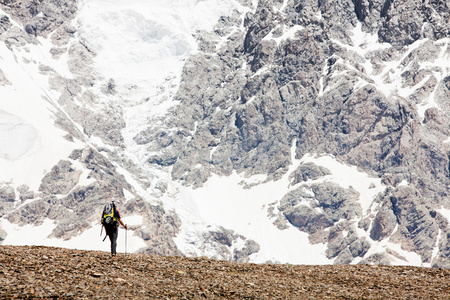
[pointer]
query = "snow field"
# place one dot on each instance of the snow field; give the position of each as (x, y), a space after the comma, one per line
(27, 128)
(141, 43)
(224, 201)
(89, 239)
(288, 33)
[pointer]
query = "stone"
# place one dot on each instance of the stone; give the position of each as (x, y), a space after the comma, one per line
(384, 223)
(308, 171)
(61, 179)
(3, 235)
(7, 193)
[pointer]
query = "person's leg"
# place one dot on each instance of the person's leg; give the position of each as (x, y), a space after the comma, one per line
(111, 232)
(113, 237)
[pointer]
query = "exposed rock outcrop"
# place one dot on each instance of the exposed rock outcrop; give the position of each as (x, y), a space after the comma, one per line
(313, 88)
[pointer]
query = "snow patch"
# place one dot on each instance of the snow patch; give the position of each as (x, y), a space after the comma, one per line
(90, 239)
(17, 137)
(445, 212)
(363, 42)
(142, 42)
(288, 33)
(241, 204)
(225, 202)
(133, 220)
(349, 177)
(27, 128)
(397, 256)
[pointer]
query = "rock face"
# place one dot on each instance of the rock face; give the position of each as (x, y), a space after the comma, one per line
(363, 81)
(41, 17)
(316, 89)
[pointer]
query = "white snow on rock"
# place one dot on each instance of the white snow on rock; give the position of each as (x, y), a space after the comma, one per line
(18, 138)
(349, 176)
(225, 201)
(27, 130)
(140, 43)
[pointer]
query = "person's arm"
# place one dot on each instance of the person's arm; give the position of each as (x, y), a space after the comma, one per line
(121, 223)
(120, 219)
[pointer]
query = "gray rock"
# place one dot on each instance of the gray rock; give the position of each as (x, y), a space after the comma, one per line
(3, 235)
(223, 240)
(162, 185)
(336, 202)
(5, 23)
(7, 198)
(25, 193)
(359, 247)
(307, 219)
(158, 228)
(31, 213)
(63, 34)
(400, 28)
(3, 80)
(312, 214)
(259, 25)
(7, 193)
(344, 257)
(224, 237)
(15, 37)
(109, 88)
(308, 171)
(347, 246)
(443, 258)
(243, 254)
(41, 18)
(377, 259)
(57, 52)
(60, 180)
(415, 221)
(384, 223)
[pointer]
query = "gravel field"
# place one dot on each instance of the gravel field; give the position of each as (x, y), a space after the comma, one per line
(29, 272)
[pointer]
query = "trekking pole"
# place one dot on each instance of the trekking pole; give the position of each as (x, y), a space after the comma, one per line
(126, 233)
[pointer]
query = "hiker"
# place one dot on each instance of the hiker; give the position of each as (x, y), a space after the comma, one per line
(110, 220)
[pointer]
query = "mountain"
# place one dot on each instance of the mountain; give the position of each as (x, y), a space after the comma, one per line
(45, 272)
(303, 132)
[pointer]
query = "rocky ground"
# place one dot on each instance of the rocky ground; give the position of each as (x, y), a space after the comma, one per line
(43, 272)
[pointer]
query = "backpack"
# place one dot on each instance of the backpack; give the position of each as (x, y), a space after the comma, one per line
(108, 216)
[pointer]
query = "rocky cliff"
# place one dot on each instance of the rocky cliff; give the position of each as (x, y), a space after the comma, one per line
(300, 73)
(365, 82)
